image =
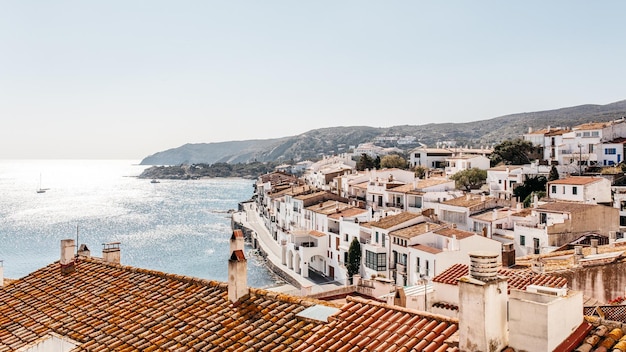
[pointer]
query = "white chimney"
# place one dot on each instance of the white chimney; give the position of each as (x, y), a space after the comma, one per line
(594, 246)
(483, 324)
(111, 252)
(67, 256)
(237, 268)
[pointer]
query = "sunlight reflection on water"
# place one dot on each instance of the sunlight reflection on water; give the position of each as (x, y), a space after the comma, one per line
(174, 226)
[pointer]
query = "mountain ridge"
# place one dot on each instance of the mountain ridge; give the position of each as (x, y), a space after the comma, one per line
(332, 140)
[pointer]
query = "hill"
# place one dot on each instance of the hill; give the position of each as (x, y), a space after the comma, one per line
(333, 140)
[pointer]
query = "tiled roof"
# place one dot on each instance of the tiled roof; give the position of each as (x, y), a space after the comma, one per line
(329, 207)
(602, 335)
(569, 207)
(416, 230)
(394, 220)
(576, 180)
(592, 126)
(365, 325)
(463, 201)
(519, 279)
(112, 307)
(348, 212)
(426, 248)
(489, 215)
(505, 167)
(449, 232)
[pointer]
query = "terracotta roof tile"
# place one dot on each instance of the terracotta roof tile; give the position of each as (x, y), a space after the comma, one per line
(395, 329)
(519, 279)
(107, 306)
(576, 180)
(394, 220)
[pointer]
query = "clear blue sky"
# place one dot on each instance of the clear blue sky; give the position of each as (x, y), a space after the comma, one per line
(125, 79)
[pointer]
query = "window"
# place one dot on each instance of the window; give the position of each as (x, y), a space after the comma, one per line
(418, 266)
(383, 239)
(522, 240)
(622, 221)
(536, 247)
(610, 151)
(553, 190)
(377, 237)
(376, 261)
(427, 268)
(543, 218)
(345, 237)
(574, 190)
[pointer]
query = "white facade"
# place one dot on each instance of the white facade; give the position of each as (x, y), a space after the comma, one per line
(610, 153)
(432, 158)
(591, 190)
(502, 180)
(540, 318)
(466, 162)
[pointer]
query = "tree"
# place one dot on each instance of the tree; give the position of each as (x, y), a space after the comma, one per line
(377, 162)
(470, 179)
(354, 258)
(420, 171)
(393, 161)
(531, 185)
(513, 152)
(554, 174)
(365, 162)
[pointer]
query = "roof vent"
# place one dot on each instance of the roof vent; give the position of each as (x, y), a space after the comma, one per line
(552, 291)
(484, 266)
(317, 313)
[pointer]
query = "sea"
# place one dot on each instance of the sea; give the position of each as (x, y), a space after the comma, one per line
(175, 226)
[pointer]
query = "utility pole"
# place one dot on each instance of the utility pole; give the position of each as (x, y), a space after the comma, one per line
(580, 159)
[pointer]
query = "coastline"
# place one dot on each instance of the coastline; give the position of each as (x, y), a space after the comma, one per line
(247, 219)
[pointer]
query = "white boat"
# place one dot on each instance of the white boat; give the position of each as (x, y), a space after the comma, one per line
(41, 190)
(154, 180)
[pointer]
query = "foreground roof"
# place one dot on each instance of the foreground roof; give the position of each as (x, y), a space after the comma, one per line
(104, 306)
(517, 278)
(365, 325)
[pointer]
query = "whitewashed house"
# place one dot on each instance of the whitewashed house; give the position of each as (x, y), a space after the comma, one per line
(376, 250)
(432, 158)
(503, 179)
(552, 225)
(422, 251)
(465, 162)
(591, 190)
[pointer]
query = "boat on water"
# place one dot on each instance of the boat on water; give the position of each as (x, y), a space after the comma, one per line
(41, 190)
(154, 180)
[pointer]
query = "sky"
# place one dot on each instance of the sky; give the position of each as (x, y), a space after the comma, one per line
(126, 79)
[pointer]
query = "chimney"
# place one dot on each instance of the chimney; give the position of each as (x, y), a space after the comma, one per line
(237, 268)
(483, 296)
(83, 251)
(111, 252)
(67, 256)
(578, 254)
(594, 246)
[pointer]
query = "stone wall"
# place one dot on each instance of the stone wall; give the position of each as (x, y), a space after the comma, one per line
(602, 282)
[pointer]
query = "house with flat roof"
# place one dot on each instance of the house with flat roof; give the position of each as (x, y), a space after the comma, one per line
(554, 224)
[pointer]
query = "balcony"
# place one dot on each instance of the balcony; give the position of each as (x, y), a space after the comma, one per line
(395, 205)
(400, 268)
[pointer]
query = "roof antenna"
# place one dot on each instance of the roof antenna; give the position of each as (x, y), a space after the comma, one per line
(76, 255)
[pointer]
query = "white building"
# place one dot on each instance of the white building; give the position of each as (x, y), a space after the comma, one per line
(465, 162)
(591, 190)
(426, 249)
(611, 153)
(432, 158)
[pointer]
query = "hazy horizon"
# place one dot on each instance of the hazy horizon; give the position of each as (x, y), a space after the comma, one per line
(124, 80)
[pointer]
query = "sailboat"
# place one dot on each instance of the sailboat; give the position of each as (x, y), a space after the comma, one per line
(41, 190)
